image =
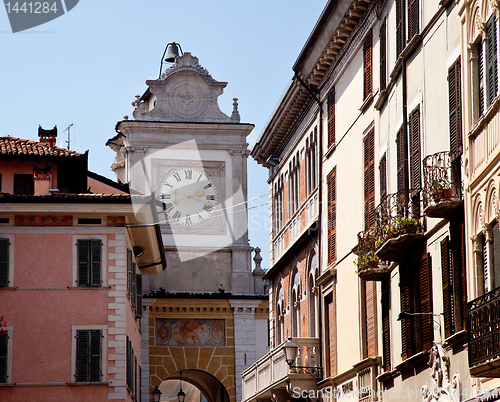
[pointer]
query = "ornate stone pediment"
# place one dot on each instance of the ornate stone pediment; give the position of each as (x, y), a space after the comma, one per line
(442, 387)
(186, 92)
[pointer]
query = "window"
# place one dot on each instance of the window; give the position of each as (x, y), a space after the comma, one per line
(134, 285)
(330, 325)
(296, 293)
(131, 369)
(415, 286)
(313, 297)
(382, 167)
(413, 19)
(369, 178)
(487, 267)
(455, 108)
(294, 184)
(454, 280)
(280, 313)
(310, 163)
(332, 216)
(368, 318)
(278, 214)
(383, 55)
(414, 142)
(6, 356)
(386, 333)
(6, 261)
(367, 65)
(487, 68)
(400, 160)
(89, 262)
(24, 184)
(88, 355)
(400, 37)
(331, 117)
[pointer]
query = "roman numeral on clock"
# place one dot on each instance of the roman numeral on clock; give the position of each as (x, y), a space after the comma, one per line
(188, 220)
(176, 216)
(210, 197)
(207, 208)
(177, 176)
(189, 174)
(166, 196)
(168, 207)
(207, 186)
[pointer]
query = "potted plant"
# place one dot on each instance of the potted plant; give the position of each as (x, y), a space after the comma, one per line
(440, 190)
(408, 225)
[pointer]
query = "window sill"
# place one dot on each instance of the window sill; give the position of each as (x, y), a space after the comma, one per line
(367, 102)
(89, 383)
(412, 361)
(88, 287)
(456, 340)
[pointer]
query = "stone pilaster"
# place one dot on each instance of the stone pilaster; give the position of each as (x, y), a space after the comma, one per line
(146, 304)
(244, 338)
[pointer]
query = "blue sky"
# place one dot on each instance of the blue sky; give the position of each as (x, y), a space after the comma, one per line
(86, 66)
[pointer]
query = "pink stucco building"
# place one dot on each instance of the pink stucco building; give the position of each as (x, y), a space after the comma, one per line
(70, 277)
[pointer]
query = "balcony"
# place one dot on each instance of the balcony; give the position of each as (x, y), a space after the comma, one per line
(271, 373)
(398, 226)
(369, 266)
(483, 327)
(442, 195)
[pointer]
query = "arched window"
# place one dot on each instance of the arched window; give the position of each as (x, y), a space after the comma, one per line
(313, 296)
(279, 317)
(295, 304)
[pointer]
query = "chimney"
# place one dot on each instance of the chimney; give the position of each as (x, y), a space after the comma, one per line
(47, 136)
(41, 177)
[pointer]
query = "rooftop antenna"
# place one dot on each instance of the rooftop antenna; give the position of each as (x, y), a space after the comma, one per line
(69, 132)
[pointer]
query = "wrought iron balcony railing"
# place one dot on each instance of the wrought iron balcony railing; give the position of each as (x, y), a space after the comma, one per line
(398, 224)
(442, 192)
(369, 266)
(483, 327)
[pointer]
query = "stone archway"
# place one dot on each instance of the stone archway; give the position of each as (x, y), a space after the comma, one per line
(193, 380)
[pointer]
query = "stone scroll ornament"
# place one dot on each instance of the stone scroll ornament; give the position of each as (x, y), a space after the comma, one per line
(442, 388)
(28, 14)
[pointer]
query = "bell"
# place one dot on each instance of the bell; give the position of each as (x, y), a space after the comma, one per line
(173, 52)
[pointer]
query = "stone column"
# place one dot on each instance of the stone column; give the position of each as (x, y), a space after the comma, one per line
(244, 338)
(146, 304)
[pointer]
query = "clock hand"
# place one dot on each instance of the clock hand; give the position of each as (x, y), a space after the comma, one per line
(199, 193)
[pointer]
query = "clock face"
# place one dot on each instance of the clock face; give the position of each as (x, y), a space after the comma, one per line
(189, 196)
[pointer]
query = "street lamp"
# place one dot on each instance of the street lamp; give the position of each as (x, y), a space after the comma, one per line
(290, 350)
(156, 394)
(404, 315)
(181, 395)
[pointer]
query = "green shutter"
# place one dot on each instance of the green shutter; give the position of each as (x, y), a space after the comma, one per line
(96, 247)
(4, 342)
(82, 353)
(4, 262)
(95, 356)
(83, 247)
(138, 307)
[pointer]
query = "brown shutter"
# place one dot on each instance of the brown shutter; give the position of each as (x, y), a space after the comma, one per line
(415, 175)
(382, 167)
(426, 302)
(413, 18)
(447, 287)
(331, 117)
(455, 106)
(400, 159)
(491, 60)
(4, 263)
(369, 178)
(406, 324)
(399, 27)
(332, 227)
(383, 55)
(83, 252)
(367, 65)
(331, 358)
(386, 339)
(370, 318)
(463, 278)
(480, 77)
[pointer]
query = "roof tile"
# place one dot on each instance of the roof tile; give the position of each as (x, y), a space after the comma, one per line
(17, 146)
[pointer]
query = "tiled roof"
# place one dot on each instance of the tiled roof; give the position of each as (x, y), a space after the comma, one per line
(66, 197)
(16, 146)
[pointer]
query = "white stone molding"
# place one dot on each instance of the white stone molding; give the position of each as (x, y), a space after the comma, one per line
(104, 257)
(442, 388)
(146, 304)
(104, 349)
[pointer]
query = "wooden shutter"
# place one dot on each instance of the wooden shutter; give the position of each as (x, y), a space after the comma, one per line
(370, 318)
(383, 55)
(133, 296)
(331, 117)
(4, 262)
(129, 271)
(455, 107)
(491, 60)
(4, 350)
(463, 278)
(331, 357)
(332, 209)
(400, 159)
(128, 368)
(95, 355)
(135, 377)
(83, 251)
(399, 28)
(480, 76)
(426, 302)
(96, 247)
(386, 334)
(382, 167)
(415, 161)
(138, 307)
(406, 324)
(413, 18)
(367, 65)
(447, 287)
(369, 179)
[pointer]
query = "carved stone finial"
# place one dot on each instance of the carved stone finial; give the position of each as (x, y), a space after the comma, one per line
(258, 260)
(235, 116)
(136, 103)
(125, 117)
